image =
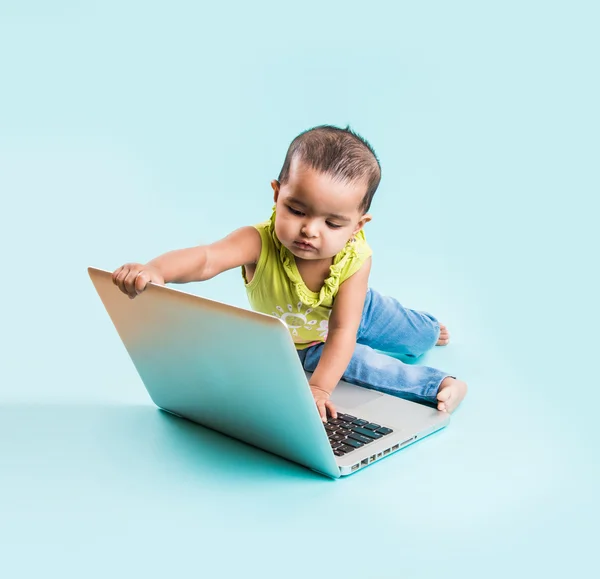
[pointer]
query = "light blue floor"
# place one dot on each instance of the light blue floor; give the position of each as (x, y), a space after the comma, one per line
(131, 128)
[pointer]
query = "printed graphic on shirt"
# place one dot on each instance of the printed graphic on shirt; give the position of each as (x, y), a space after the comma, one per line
(323, 329)
(297, 320)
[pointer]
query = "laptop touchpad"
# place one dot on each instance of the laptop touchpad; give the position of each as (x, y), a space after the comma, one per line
(350, 396)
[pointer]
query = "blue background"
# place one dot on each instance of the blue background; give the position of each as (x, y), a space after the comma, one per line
(131, 128)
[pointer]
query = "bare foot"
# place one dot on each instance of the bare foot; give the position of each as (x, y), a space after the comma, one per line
(450, 394)
(444, 336)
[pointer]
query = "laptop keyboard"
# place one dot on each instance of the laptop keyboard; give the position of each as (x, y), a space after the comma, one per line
(347, 433)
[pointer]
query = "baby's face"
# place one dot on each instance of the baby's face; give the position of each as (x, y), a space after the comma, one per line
(316, 215)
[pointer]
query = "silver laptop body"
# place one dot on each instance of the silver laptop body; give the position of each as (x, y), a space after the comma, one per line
(237, 371)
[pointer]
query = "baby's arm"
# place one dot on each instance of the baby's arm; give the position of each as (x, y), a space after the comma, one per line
(341, 339)
(242, 247)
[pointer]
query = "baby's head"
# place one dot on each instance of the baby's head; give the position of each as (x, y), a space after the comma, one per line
(324, 191)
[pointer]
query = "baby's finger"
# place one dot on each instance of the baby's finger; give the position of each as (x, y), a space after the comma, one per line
(130, 282)
(322, 410)
(141, 281)
(120, 281)
(116, 273)
(331, 407)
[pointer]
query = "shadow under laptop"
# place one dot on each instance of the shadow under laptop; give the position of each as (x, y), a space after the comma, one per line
(112, 442)
(224, 455)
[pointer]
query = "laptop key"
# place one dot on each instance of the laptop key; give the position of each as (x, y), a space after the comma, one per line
(359, 422)
(360, 438)
(352, 442)
(372, 426)
(336, 437)
(339, 452)
(366, 432)
(345, 448)
(348, 417)
(384, 431)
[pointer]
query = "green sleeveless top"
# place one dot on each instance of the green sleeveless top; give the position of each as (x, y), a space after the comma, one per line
(278, 289)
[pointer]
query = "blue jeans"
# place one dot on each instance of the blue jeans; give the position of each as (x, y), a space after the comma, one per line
(389, 327)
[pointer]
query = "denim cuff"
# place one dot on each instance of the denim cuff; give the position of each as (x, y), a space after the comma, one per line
(434, 385)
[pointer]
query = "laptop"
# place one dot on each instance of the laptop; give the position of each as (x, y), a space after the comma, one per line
(237, 371)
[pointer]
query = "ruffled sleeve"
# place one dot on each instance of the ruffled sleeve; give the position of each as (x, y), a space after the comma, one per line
(360, 251)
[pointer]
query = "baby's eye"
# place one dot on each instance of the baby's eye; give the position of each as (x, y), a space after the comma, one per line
(294, 211)
(333, 225)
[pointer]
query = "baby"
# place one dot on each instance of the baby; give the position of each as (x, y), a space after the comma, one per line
(309, 265)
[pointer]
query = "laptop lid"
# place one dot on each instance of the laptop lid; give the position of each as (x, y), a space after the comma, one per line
(227, 368)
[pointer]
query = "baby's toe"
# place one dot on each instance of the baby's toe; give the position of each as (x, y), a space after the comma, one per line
(444, 395)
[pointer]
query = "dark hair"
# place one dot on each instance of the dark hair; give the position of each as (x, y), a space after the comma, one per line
(340, 153)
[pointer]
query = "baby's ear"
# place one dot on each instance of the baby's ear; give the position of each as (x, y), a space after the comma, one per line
(275, 186)
(362, 222)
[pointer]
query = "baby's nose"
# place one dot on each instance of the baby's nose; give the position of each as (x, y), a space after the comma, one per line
(309, 230)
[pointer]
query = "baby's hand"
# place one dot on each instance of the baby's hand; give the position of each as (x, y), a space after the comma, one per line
(132, 278)
(323, 403)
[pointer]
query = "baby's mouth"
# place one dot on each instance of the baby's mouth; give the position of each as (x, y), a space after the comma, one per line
(304, 245)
